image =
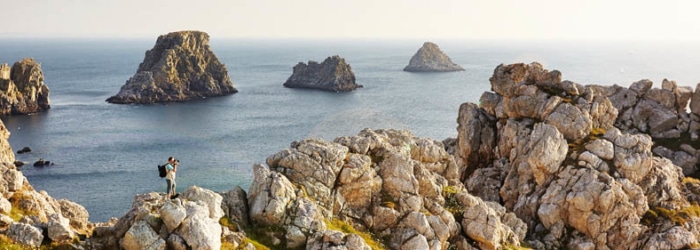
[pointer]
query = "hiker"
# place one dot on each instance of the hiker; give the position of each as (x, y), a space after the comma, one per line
(171, 168)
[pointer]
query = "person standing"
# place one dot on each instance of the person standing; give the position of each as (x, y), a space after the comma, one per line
(171, 169)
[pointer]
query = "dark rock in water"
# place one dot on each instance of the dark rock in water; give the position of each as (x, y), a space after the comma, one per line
(333, 74)
(42, 162)
(180, 67)
(430, 58)
(18, 164)
(22, 88)
(24, 150)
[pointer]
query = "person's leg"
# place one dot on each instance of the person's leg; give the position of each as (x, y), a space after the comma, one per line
(167, 193)
(174, 186)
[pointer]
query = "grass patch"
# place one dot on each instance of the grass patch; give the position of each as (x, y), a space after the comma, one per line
(339, 225)
(8, 244)
(678, 217)
(691, 180)
(259, 236)
(451, 203)
(228, 223)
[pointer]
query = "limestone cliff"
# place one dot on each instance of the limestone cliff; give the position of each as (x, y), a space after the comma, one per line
(430, 58)
(22, 88)
(333, 74)
(179, 67)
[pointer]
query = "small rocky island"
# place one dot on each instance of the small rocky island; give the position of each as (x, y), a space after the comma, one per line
(180, 67)
(22, 88)
(333, 74)
(430, 58)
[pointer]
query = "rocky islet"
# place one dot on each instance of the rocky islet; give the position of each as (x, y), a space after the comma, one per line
(429, 58)
(180, 67)
(333, 74)
(22, 88)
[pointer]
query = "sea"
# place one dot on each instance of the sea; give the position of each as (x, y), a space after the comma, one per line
(104, 154)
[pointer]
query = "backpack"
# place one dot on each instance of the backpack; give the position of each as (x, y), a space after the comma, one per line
(161, 171)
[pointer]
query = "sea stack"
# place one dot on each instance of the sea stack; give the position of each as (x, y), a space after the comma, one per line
(430, 58)
(180, 67)
(333, 74)
(22, 88)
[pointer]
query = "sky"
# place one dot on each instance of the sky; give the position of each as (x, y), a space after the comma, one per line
(362, 19)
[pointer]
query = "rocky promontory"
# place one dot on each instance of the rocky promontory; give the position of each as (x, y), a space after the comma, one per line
(333, 74)
(540, 163)
(22, 88)
(180, 67)
(430, 58)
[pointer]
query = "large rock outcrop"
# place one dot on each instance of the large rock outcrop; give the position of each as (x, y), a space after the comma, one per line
(554, 151)
(333, 74)
(179, 67)
(22, 88)
(430, 58)
(401, 188)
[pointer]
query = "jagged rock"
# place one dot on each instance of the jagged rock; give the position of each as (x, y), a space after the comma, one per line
(25, 234)
(173, 213)
(333, 74)
(199, 229)
(482, 224)
(59, 228)
(142, 236)
(6, 154)
(430, 58)
(175, 242)
(235, 206)
(22, 88)
(330, 239)
(179, 67)
(76, 214)
(208, 197)
(268, 196)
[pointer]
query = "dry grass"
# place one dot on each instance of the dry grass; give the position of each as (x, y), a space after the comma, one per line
(678, 217)
(8, 244)
(690, 180)
(339, 225)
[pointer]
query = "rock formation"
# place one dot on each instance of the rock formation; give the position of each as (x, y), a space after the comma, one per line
(179, 67)
(22, 88)
(430, 58)
(333, 74)
(551, 152)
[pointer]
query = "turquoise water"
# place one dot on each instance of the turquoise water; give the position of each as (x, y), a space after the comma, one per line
(104, 153)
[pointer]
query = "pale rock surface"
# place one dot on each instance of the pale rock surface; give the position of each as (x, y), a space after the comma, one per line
(141, 236)
(59, 228)
(208, 197)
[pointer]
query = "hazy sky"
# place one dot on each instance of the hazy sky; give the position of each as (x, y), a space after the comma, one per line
(426, 19)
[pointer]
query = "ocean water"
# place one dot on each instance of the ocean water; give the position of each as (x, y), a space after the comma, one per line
(104, 154)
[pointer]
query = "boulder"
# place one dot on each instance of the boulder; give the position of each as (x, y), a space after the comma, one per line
(199, 230)
(333, 74)
(76, 214)
(430, 58)
(180, 67)
(25, 234)
(22, 88)
(142, 236)
(59, 229)
(208, 197)
(235, 206)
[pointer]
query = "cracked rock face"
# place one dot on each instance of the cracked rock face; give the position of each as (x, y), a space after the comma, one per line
(430, 58)
(22, 88)
(567, 170)
(180, 67)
